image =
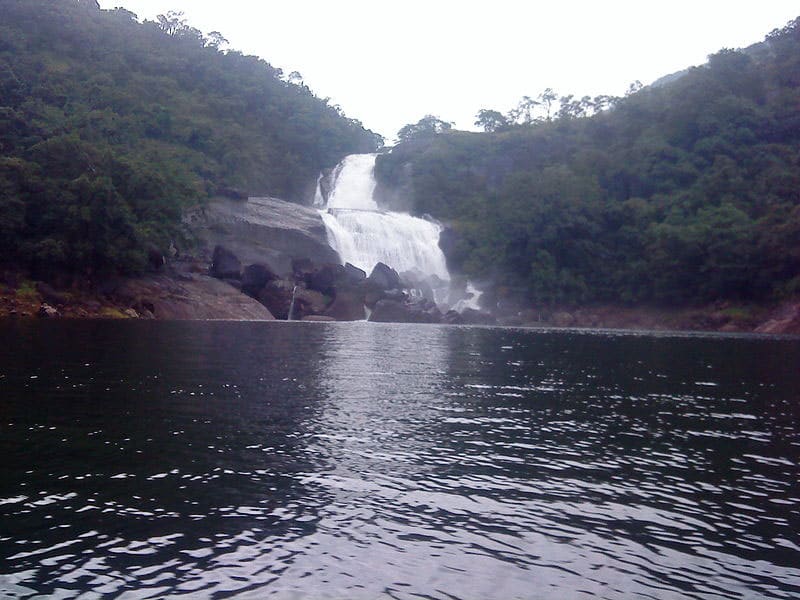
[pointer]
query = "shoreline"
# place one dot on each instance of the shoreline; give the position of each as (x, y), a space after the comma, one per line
(184, 296)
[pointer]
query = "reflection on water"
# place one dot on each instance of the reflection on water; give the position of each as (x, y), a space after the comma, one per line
(151, 460)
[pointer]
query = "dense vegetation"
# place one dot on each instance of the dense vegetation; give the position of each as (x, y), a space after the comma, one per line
(682, 192)
(109, 127)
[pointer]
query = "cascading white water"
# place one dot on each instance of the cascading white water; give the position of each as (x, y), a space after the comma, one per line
(472, 301)
(364, 235)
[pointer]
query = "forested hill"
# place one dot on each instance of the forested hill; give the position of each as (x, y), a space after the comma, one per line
(680, 193)
(109, 126)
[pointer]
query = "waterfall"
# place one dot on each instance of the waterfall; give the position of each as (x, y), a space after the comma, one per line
(364, 235)
(319, 199)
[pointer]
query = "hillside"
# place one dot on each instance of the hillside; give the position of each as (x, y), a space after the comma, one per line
(677, 194)
(109, 127)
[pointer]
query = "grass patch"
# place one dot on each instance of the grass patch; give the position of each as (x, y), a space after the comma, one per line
(108, 312)
(27, 291)
(738, 313)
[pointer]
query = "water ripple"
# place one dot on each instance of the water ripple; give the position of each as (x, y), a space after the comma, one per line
(254, 461)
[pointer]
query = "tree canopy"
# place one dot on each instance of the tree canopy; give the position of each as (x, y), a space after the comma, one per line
(683, 192)
(109, 127)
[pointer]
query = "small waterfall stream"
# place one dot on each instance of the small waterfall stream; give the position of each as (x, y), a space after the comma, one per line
(364, 235)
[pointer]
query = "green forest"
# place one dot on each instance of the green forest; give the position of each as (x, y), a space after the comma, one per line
(683, 192)
(110, 127)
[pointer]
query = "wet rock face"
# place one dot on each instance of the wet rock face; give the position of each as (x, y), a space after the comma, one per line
(225, 264)
(264, 231)
(255, 277)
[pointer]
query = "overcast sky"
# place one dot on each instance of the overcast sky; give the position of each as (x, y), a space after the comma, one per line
(390, 63)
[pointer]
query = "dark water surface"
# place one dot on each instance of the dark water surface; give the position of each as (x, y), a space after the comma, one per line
(216, 460)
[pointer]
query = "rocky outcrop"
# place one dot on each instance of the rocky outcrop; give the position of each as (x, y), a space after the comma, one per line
(264, 231)
(785, 320)
(188, 297)
(406, 311)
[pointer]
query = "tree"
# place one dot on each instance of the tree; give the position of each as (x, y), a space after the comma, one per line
(427, 127)
(215, 40)
(546, 99)
(524, 111)
(491, 120)
(172, 23)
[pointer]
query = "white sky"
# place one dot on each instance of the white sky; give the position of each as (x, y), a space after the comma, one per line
(389, 63)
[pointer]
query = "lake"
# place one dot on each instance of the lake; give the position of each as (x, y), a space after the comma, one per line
(304, 460)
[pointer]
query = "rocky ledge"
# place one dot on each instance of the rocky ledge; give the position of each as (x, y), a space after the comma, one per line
(263, 231)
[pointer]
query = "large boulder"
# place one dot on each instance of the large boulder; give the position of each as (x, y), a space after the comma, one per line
(191, 297)
(409, 311)
(330, 278)
(277, 297)
(384, 277)
(255, 277)
(225, 264)
(325, 279)
(265, 231)
(347, 306)
(308, 302)
(353, 275)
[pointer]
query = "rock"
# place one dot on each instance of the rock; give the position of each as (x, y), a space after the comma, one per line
(255, 277)
(302, 267)
(309, 302)
(347, 306)
(319, 319)
(277, 297)
(225, 264)
(51, 296)
(326, 278)
(471, 316)
(48, 312)
(397, 295)
(372, 296)
(353, 274)
(265, 231)
(130, 313)
(786, 320)
(155, 258)
(417, 280)
(394, 311)
(384, 277)
(452, 317)
(234, 283)
(200, 298)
